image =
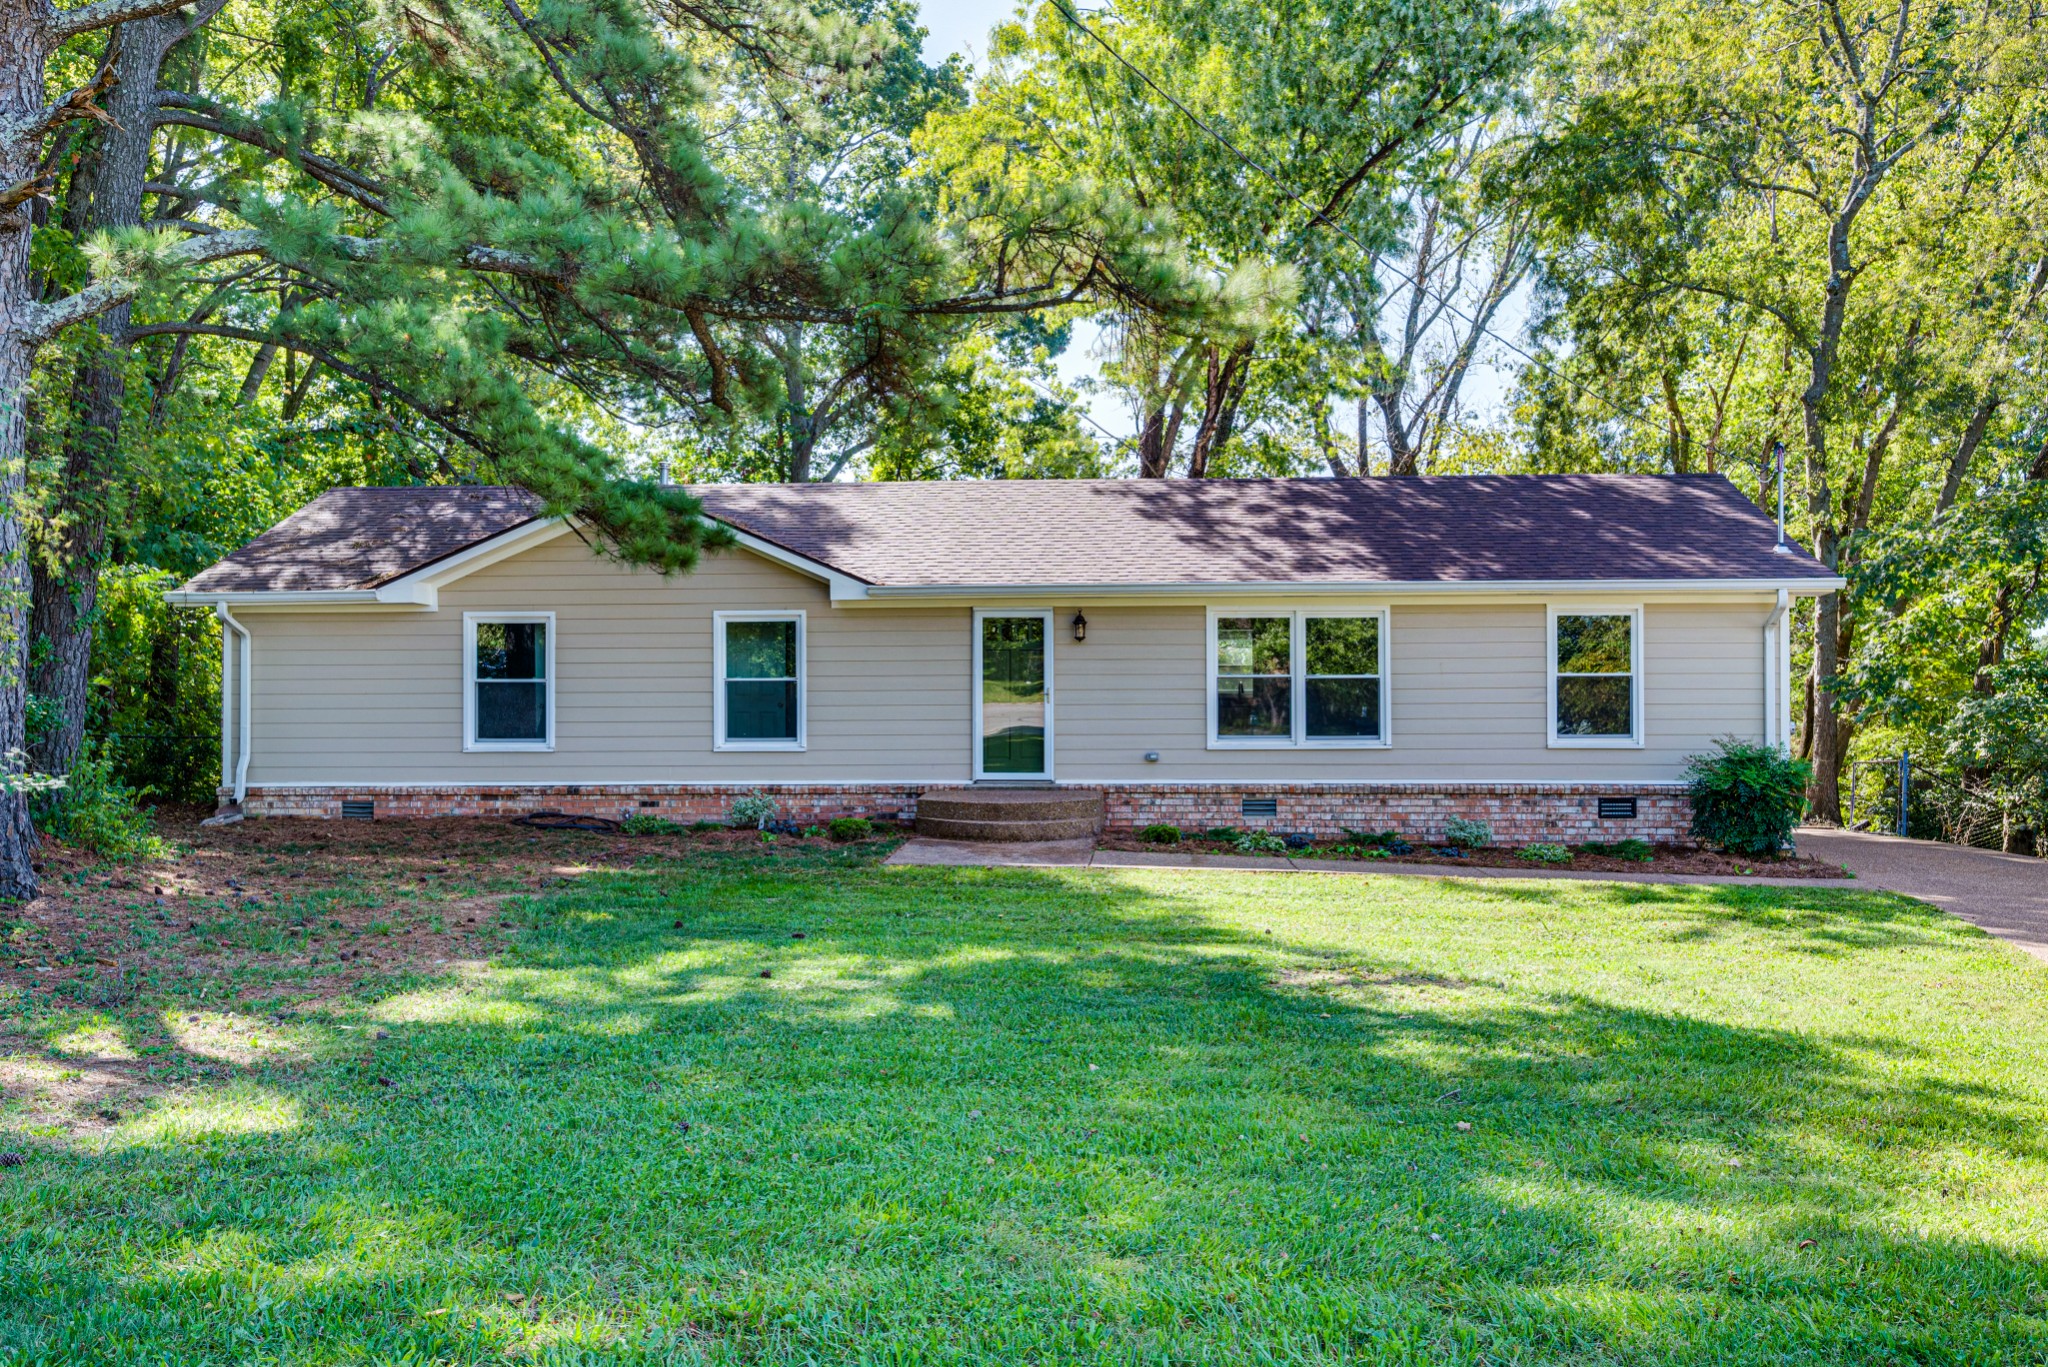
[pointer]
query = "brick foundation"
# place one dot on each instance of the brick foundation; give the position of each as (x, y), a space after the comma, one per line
(1518, 813)
(671, 802)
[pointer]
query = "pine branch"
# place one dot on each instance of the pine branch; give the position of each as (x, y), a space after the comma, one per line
(105, 14)
(47, 320)
(192, 111)
(79, 103)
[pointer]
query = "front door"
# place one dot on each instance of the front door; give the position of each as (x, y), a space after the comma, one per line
(1013, 697)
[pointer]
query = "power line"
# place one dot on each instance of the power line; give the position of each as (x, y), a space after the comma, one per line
(1316, 214)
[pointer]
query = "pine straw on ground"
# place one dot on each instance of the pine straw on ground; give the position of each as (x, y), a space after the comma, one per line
(312, 907)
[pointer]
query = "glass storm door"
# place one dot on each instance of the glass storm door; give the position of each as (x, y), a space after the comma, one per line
(1013, 710)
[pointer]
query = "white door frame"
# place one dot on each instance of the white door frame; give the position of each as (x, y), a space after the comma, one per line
(1044, 615)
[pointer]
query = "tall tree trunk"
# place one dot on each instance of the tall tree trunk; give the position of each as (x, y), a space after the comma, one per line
(106, 193)
(24, 47)
(1222, 392)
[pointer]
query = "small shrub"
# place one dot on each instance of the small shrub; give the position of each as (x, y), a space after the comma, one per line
(1746, 798)
(1298, 840)
(1223, 833)
(846, 828)
(1639, 851)
(1396, 847)
(755, 809)
(96, 811)
(647, 823)
(813, 832)
(1469, 835)
(1260, 842)
(706, 825)
(1545, 852)
(1159, 833)
(1449, 852)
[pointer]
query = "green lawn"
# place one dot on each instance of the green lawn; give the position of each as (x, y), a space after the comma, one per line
(1054, 1116)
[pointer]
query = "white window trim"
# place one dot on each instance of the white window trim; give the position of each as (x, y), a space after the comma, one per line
(974, 685)
(1298, 689)
(470, 622)
(718, 680)
(1632, 611)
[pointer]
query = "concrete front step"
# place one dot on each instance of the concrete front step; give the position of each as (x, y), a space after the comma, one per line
(1009, 814)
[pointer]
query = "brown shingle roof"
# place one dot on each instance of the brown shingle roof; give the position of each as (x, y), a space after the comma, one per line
(360, 538)
(1453, 529)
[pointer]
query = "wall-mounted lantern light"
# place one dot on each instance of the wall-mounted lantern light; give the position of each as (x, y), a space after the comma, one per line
(1080, 627)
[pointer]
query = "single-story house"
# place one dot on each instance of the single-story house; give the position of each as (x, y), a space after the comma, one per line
(1544, 652)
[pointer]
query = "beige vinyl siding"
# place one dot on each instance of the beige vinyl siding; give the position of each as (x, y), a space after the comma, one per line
(374, 697)
(1467, 695)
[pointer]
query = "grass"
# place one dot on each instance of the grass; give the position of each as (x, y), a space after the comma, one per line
(1074, 1116)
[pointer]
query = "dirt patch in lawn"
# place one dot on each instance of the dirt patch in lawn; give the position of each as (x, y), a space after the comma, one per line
(1659, 859)
(302, 908)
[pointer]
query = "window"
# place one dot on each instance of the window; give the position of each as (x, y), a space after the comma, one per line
(1595, 676)
(507, 701)
(1297, 678)
(759, 695)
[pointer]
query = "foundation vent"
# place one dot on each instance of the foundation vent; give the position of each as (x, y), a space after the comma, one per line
(1617, 809)
(1259, 806)
(365, 810)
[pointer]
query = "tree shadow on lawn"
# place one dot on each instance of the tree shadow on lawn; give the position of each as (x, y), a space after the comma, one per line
(1033, 1116)
(1820, 921)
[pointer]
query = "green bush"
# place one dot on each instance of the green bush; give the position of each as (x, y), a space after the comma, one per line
(1545, 852)
(1159, 833)
(647, 823)
(1638, 850)
(1223, 833)
(1468, 835)
(1746, 798)
(847, 828)
(96, 811)
(1260, 842)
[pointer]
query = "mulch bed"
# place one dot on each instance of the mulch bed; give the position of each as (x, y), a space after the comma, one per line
(1663, 859)
(416, 893)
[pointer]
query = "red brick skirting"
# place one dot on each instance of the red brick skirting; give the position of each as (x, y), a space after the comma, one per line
(1517, 812)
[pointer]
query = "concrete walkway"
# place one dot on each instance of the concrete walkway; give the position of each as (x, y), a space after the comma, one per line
(2003, 894)
(1082, 854)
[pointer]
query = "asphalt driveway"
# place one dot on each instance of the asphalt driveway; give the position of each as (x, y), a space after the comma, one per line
(2003, 894)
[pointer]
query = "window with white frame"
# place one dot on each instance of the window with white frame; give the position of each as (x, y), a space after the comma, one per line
(759, 664)
(1297, 678)
(508, 696)
(1596, 676)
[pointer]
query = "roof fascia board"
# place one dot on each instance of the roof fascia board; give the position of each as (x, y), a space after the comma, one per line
(844, 586)
(1522, 588)
(421, 587)
(275, 598)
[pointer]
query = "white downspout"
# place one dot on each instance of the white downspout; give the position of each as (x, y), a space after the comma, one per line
(227, 620)
(1777, 665)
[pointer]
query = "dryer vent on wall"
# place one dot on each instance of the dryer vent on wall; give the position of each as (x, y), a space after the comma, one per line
(359, 811)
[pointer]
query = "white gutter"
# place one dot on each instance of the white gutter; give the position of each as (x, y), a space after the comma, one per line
(1777, 673)
(184, 598)
(241, 776)
(1364, 588)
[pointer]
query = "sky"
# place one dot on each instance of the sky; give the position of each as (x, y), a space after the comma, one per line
(962, 26)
